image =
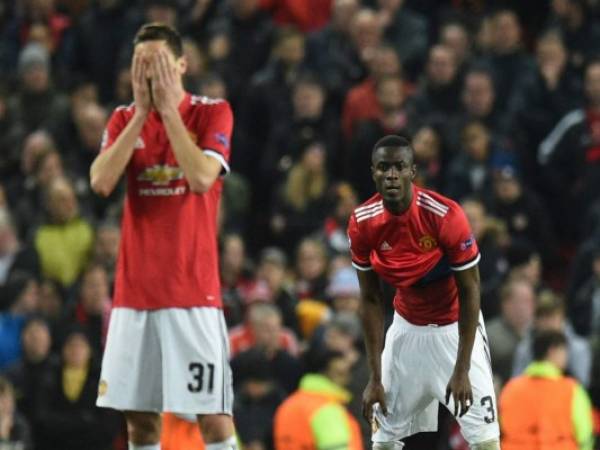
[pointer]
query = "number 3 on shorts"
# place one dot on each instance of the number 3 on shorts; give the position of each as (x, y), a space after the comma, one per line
(197, 371)
(487, 401)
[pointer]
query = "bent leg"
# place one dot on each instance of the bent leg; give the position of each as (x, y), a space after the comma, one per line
(143, 428)
(218, 431)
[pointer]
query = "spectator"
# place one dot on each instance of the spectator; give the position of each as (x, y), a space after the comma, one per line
(14, 429)
(533, 406)
(256, 399)
(492, 238)
(523, 213)
(314, 416)
(52, 299)
(66, 413)
(64, 242)
(106, 248)
(551, 91)
(550, 316)
(395, 118)
(236, 277)
(268, 98)
(344, 291)
(437, 97)
(249, 32)
(92, 308)
(302, 203)
(570, 157)
(24, 296)
(306, 15)
(427, 144)
(470, 172)
(309, 123)
(26, 373)
(455, 36)
(584, 309)
(335, 225)
(576, 23)
(509, 62)
(311, 268)
(272, 269)
(408, 31)
(37, 100)
(263, 329)
(506, 331)
(14, 257)
(361, 101)
(331, 53)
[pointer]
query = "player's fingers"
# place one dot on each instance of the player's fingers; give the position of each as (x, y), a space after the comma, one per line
(367, 411)
(382, 405)
(448, 392)
(464, 405)
(164, 66)
(455, 398)
(136, 68)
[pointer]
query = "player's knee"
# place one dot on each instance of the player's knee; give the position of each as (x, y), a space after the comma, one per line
(216, 427)
(142, 427)
(493, 444)
(390, 445)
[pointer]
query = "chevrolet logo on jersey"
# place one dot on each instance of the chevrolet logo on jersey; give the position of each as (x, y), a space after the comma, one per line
(161, 175)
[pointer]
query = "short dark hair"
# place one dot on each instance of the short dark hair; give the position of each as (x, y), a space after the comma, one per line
(543, 341)
(160, 32)
(318, 361)
(392, 140)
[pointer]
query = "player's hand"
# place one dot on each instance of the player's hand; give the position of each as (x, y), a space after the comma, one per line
(374, 393)
(141, 91)
(459, 387)
(165, 87)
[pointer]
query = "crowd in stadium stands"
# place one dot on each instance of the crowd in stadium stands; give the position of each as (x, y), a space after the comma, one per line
(500, 98)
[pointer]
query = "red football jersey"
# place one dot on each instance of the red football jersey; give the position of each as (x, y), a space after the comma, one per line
(168, 256)
(416, 252)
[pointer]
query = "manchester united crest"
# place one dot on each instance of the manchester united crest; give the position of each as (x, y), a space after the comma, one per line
(427, 243)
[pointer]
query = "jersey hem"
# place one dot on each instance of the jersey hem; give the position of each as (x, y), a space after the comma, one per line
(467, 265)
(361, 268)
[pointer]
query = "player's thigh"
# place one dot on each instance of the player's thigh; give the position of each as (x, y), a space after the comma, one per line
(131, 377)
(408, 401)
(196, 373)
(480, 424)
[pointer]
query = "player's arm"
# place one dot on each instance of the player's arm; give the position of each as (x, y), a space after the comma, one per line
(467, 281)
(372, 318)
(109, 165)
(199, 169)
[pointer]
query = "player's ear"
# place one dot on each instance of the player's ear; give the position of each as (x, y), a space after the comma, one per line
(413, 171)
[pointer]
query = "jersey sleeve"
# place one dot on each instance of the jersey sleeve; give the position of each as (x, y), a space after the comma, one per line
(113, 129)
(457, 240)
(215, 141)
(360, 250)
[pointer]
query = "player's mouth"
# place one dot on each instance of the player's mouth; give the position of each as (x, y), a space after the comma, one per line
(394, 190)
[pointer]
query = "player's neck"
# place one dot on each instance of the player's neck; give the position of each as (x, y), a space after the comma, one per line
(400, 207)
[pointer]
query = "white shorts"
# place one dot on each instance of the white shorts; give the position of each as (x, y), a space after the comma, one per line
(174, 360)
(417, 363)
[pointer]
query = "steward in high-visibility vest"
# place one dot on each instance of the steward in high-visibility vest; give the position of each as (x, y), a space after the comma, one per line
(543, 409)
(314, 417)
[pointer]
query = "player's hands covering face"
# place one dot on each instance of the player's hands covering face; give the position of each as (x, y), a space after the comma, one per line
(165, 82)
(141, 89)
(459, 387)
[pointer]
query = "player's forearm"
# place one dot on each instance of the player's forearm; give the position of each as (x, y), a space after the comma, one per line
(372, 318)
(467, 325)
(109, 165)
(198, 168)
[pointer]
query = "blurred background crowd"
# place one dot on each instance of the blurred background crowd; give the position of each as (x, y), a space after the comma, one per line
(500, 98)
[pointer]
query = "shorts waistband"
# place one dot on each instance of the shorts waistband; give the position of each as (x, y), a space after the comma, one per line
(404, 324)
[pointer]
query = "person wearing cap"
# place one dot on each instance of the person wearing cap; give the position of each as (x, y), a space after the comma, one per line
(550, 315)
(522, 211)
(543, 409)
(36, 101)
(314, 416)
(344, 291)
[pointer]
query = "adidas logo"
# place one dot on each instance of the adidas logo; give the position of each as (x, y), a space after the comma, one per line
(139, 143)
(385, 247)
